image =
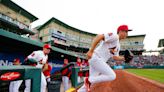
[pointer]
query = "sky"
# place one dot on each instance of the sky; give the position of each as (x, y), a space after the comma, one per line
(103, 16)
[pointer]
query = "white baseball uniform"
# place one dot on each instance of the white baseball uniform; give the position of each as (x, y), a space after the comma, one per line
(41, 58)
(65, 80)
(14, 85)
(99, 70)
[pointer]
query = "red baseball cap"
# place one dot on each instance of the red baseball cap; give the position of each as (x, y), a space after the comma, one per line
(17, 60)
(123, 28)
(47, 46)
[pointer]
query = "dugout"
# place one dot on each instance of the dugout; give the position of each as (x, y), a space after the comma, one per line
(13, 45)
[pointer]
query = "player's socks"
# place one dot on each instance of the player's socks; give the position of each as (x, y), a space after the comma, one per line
(87, 84)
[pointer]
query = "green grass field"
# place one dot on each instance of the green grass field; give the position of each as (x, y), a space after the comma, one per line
(154, 74)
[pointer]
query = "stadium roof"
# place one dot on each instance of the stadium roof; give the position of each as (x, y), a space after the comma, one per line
(136, 36)
(64, 25)
(161, 43)
(19, 9)
(17, 42)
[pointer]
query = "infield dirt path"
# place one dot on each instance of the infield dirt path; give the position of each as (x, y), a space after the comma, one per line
(126, 82)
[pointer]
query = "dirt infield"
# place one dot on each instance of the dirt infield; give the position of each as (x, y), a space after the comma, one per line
(126, 82)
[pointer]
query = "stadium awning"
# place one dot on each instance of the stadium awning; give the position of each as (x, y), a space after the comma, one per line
(17, 43)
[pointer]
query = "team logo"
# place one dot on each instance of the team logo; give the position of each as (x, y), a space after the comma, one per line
(10, 76)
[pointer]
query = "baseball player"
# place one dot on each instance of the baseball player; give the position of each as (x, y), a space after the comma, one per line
(41, 57)
(66, 74)
(14, 85)
(109, 47)
(79, 64)
(85, 63)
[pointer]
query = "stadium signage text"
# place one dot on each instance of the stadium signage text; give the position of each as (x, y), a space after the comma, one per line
(10, 76)
(5, 63)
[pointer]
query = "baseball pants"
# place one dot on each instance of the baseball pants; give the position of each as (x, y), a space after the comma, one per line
(42, 87)
(99, 71)
(65, 80)
(14, 85)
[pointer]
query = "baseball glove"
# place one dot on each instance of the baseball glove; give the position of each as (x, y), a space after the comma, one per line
(30, 62)
(128, 56)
